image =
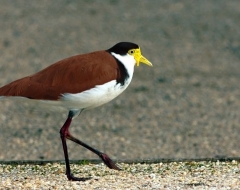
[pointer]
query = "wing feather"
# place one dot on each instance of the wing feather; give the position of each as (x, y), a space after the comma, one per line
(72, 75)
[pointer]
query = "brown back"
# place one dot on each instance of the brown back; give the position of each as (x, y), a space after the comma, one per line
(72, 75)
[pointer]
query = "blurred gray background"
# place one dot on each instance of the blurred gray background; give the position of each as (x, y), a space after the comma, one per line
(186, 106)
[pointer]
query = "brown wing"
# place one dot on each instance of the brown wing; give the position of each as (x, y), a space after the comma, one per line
(71, 75)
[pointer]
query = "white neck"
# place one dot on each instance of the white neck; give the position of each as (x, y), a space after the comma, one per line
(128, 61)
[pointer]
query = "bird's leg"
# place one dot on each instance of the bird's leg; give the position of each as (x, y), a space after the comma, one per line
(105, 158)
(63, 134)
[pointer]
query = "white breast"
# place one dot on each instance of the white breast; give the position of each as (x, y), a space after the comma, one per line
(94, 97)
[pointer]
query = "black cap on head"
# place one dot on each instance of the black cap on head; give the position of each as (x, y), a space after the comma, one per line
(123, 47)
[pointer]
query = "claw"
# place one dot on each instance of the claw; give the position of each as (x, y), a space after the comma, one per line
(72, 178)
(105, 158)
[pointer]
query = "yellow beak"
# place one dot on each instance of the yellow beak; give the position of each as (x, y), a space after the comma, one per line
(140, 58)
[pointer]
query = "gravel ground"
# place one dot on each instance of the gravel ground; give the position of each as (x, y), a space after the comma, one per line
(175, 175)
(186, 106)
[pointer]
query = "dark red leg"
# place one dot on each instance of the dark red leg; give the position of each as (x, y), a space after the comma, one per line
(64, 133)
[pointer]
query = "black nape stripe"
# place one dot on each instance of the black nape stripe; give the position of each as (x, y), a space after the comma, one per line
(123, 76)
(122, 48)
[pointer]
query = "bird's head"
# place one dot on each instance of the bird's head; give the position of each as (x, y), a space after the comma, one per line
(132, 49)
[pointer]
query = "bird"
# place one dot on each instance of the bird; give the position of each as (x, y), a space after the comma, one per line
(78, 83)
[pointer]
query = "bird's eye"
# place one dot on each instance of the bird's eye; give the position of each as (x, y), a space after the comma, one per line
(131, 51)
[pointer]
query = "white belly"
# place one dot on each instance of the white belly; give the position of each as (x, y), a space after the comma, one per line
(88, 99)
(94, 97)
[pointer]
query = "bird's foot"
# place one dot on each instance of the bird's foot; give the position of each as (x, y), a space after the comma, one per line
(105, 158)
(72, 178)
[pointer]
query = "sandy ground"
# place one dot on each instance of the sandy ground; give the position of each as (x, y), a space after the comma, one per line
(186, 106)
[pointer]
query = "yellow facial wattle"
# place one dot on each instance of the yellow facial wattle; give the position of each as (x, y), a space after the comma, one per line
(139, 57)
